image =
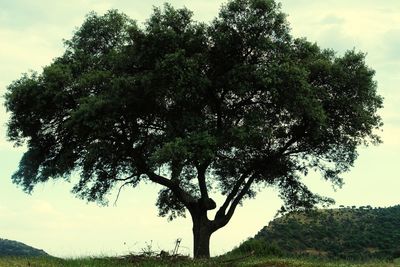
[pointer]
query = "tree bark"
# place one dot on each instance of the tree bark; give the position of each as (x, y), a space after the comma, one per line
(201, 235)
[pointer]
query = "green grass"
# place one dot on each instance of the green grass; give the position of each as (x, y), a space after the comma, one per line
(150, 262)
(264, 262)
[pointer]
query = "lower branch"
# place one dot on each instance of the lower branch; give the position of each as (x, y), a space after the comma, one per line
(222, 219)
(181, 194)
(222, 210)
(239, 197)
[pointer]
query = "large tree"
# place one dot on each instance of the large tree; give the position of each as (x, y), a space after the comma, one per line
(234, 105)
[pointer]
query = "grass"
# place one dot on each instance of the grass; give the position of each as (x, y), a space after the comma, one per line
(150, 262)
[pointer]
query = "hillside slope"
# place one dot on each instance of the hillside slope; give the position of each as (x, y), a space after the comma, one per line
(14, 248)
(355, 233)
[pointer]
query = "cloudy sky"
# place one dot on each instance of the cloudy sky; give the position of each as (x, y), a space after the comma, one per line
(31, 34)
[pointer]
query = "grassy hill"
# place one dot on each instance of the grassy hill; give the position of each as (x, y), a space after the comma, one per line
(347, 233)
(14, 248)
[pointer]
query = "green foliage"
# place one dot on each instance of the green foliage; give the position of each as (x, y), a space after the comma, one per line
(347, 233)
(14, 248)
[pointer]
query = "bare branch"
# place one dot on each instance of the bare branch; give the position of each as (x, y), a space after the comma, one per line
(119, 191)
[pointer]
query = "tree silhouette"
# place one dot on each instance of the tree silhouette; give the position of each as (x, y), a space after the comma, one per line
(234, 105)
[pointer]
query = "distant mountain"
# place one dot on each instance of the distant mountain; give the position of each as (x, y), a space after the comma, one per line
(347, 232)
(14, 248)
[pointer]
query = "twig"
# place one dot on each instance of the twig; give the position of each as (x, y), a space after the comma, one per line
(119, 191)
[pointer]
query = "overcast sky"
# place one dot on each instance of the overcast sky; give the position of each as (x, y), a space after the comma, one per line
(52, 219)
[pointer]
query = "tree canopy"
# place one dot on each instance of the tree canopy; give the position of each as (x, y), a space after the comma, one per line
(233, 105)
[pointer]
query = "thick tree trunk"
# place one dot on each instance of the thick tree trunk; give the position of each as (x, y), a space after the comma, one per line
(201, 242)
(201, 235)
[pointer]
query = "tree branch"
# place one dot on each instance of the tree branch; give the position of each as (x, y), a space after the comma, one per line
(201, 177)
(205, 201)
(288, 144)
(124, 179)
(119, 191)
(126, 182)
(187, 199)
(297, 134)
(221, 212)
(239, 197)
(222, 220)
(182, 195)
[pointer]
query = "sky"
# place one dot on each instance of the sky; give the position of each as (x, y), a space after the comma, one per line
(51, 218)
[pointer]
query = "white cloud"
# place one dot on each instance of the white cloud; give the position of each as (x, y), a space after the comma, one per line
(363, 23)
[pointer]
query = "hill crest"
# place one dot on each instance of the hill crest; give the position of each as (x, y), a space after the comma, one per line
(346, 232)
(15, 248)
